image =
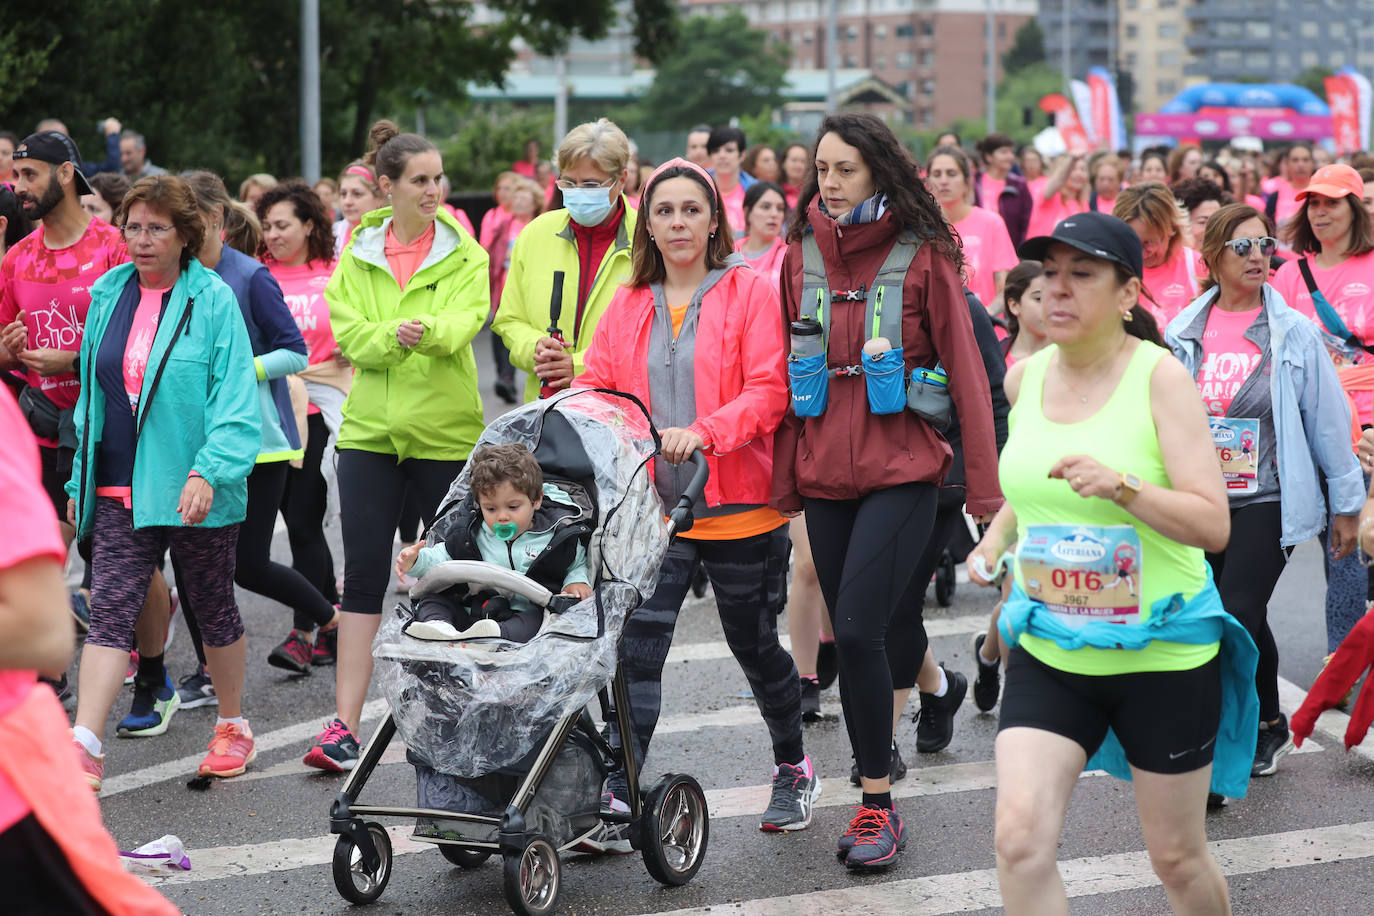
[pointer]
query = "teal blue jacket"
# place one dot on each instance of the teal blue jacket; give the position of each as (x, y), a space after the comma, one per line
(202, 416)
(1201, 621)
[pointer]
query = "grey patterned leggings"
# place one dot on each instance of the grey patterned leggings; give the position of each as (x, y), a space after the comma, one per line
(749, 579)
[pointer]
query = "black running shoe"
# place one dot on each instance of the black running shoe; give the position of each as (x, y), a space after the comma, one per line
(810, 700)
(935, 720)
(1216, 801)
(897, 771)
(987, 683)
(827, 664)
(873, 839)
(81, 612)
(794, 794)
(1275, 742)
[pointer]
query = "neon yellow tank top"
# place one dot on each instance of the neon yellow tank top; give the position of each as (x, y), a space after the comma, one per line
(1062, 535)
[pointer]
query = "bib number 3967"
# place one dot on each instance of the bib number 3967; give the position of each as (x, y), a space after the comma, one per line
(1083, 573)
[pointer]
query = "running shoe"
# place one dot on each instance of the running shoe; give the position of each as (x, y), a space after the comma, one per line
(326, 649)
(335, 750)
(430, 622)
(608, 839)
(196, 690)
(151, 711)
(827, 663)
(810, 700)
(896, 771)
(1216, 801)
(1275, 742)
(92, 765)
(132, 671)
(873, 839)
(231, 750)
(293, 654)
(935, 720)
(794, 794)
(81, 611)
(987, 683)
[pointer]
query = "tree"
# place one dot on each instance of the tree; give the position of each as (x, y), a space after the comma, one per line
(1027, 48)
(1015, 94)
(718, 69)
(1314, 78)
(218, 85)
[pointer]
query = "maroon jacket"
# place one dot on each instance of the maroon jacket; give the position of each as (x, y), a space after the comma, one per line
(848, 452)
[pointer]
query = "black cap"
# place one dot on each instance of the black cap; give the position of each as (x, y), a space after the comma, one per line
(54, 147)
(1098, 234)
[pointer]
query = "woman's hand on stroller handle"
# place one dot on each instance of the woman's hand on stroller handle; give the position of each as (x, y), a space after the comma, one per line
(679, 444)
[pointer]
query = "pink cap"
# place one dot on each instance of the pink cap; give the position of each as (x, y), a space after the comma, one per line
(1333, 181)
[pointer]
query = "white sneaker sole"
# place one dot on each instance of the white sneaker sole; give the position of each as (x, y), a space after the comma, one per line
(160, 729)
(431, 630)
(1284, 750)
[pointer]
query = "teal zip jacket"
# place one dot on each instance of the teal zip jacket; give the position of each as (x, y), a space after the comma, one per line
(1201, 621)
(421, 401)
(202, 416)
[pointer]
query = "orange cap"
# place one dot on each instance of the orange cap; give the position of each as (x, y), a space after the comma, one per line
(1333, 181)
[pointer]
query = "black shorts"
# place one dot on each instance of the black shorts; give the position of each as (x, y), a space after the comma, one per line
(1166, 720)
(57, 470)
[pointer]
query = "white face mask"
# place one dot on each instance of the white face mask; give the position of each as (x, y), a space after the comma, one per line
(587, 206)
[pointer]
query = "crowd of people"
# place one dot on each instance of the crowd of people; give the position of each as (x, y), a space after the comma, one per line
(1147, 378)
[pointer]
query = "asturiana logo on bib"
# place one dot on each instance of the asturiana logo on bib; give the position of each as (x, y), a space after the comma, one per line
(1079, 547)
(1221, 434)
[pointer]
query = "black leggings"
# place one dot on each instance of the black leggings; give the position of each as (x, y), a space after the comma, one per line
(1246, 574)
(906, 637)
(372, 490)
(863, 549)
(303, 507)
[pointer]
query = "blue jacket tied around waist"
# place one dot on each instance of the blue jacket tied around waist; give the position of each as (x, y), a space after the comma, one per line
(1200, 621)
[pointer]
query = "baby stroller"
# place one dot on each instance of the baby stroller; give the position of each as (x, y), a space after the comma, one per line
(509, 721)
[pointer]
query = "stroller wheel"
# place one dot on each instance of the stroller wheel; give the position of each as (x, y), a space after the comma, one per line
(944, 580)
(532, 878)
(463, 857)
(357, 883)
(674, 829)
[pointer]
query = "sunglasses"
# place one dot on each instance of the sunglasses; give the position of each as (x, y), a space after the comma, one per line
(1241, 247)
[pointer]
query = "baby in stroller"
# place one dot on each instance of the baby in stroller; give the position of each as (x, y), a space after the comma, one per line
(512, 518)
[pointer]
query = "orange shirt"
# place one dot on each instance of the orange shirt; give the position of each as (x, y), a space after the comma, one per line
(737, 525)
(406, 259)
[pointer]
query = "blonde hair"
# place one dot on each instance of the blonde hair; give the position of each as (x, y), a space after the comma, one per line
(261, 179)
(600, 141)
(1154, 204)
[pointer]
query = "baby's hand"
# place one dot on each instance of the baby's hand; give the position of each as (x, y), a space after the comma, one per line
(578, 590)
(406, 559)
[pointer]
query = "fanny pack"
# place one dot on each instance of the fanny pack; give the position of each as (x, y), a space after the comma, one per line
(46, 419)
(1330, 318)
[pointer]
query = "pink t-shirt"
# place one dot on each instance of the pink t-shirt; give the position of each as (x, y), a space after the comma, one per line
(1228, 358)
(767, 262)
(492, 221)
(1049, 212)
(52, 287)
(140, 342)
(29, 531)
(303, 288)
(992, 189)
(1349, 287)
(1104, 205)
(734, 209)
(1287, 204)
(987, 249)
(1173, 285)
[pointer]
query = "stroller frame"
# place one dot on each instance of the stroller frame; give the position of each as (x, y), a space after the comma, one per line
(669, 824)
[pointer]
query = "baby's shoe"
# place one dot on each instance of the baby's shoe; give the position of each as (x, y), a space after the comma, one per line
(430, 622)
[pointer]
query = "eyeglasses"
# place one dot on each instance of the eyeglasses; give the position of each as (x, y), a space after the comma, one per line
(134, 230)
(1241, 247)
(568, 185)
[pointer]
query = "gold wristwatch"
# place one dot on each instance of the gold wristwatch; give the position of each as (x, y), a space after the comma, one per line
(1128, 489)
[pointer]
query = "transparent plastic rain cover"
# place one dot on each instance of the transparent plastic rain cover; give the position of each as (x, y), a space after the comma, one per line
(467, 710)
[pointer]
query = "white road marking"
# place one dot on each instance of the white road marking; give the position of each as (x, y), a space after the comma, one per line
(961, 892)
(965, 625)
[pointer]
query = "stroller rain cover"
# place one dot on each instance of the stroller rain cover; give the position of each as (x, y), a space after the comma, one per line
(469, 711)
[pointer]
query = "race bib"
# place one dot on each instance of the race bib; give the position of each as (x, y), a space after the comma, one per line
(1237, 445)
(1083, 573)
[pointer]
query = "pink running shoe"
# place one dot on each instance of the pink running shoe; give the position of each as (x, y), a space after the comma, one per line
(231, 750)
(335, 750)
(91, 765)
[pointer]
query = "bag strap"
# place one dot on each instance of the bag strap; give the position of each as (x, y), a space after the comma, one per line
(1330, 318)
(815, 289)
(888, 283)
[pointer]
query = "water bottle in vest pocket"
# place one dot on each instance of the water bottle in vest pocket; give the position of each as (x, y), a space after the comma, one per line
(807, 374)
(884, 374)
(927, 394)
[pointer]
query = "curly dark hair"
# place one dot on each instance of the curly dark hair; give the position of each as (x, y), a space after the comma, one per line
(1193, 192)
(512, 463)
(895, 173)
(308, 208)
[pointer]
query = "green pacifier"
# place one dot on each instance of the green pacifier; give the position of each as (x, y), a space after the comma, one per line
(506, 530)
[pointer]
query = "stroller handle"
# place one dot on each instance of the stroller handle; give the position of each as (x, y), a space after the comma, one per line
(681, 517)
(485, 575)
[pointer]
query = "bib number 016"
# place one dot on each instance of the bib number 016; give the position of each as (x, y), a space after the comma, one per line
(1076, 580)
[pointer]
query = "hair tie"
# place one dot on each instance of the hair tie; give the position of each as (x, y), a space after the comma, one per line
(679, 162)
